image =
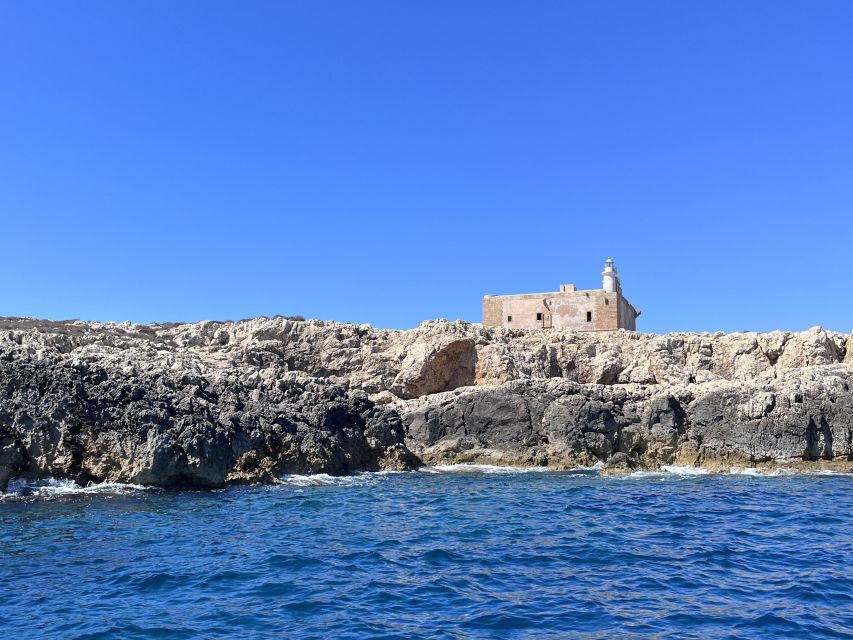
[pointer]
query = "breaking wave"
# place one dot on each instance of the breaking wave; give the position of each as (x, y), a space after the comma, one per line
(486, 469)
(367, 478)
(670, 471)
(359, 479)
(52, 488)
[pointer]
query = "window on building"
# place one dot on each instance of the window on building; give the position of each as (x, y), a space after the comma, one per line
(589, 316)
(538, 316)
(509, 318)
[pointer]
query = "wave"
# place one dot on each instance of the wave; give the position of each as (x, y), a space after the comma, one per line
(368, 478)
(685, 472)
(819, 472)
(669, 471)
(486, 469)
(752, 471)
(361, 479)
(52, 488)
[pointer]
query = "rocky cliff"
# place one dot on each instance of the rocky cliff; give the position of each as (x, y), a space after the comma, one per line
(214, 402)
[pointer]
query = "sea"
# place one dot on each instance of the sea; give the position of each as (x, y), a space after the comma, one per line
(445, 552)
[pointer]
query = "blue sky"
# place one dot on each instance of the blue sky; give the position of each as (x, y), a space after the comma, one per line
(389, 162)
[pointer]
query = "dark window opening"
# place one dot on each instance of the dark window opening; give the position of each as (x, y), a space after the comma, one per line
(538, 316)
(589, 316)
(509, 318)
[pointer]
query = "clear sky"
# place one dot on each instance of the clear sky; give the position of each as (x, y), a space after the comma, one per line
(389, 162)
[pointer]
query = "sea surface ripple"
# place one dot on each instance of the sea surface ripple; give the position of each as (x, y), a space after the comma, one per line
(443, 553)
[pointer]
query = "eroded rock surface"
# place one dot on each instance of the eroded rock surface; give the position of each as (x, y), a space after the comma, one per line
(208, 403)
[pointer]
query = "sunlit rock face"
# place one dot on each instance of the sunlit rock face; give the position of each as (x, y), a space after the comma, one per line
(214, 402)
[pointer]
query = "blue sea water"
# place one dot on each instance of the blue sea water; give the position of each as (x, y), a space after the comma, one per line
(444, 553)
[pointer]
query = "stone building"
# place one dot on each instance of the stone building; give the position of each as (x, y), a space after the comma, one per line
(604, 309)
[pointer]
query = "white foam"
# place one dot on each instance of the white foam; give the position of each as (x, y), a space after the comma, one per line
(747, 471)
(326, 480)
(784, 471)
(827, 472)
(53, 488)
(672, 470)
(481, 468)
(669, 470)
(684, 471)
(598, 466)
(372, 477)
(639, 474)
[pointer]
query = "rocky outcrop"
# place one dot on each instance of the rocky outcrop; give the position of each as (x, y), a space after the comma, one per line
(106, 403)
(797, 416)
(209, 403)
(432, 367)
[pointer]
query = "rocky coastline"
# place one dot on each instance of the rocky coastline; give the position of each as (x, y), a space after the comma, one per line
(211, 403)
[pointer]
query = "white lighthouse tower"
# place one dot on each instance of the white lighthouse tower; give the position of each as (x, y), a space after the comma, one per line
(609, 278)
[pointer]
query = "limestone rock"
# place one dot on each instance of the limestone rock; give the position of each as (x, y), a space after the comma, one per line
(431, 367)
(214, 402)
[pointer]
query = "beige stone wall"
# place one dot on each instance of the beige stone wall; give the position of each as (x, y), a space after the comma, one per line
(627, 315)
(492, 311)
(564, 309)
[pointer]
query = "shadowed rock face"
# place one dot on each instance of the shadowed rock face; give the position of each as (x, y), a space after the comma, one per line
(209, 403)
(432, 368)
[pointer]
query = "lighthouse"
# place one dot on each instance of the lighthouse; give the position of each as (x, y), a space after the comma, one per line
(609, 279)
